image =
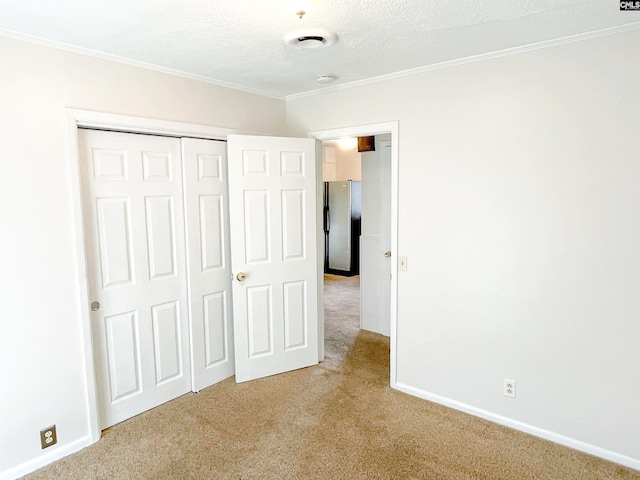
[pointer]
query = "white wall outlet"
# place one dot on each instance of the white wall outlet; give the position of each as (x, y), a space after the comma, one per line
(509, 388)
(402, 263)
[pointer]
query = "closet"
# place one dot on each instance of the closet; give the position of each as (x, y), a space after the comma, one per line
(156, 243)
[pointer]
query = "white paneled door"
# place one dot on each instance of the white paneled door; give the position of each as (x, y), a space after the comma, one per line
(273, 222)
(375, 239)
(134, 229)
(208, 242)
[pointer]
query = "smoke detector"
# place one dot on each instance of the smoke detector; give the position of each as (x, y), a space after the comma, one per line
(311, 38)
(327, 78)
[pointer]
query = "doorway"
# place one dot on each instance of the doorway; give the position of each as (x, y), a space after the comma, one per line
(388, 288)
(342, 221)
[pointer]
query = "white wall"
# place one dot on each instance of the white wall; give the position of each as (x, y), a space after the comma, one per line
(41, 357)
(340, 163)
(329, 166)
(519, 211)
(348, 164)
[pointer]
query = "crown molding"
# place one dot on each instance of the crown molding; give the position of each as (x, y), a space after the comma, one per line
(474, 58)
(130, 62)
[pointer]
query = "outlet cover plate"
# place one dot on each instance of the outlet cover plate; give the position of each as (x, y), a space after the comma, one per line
(48, 436)
(509, 388)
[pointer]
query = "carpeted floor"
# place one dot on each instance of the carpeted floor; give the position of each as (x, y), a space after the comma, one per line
(337, 420)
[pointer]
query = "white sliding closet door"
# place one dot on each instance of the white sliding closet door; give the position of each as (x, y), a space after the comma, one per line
(210, 299)
(135, 244)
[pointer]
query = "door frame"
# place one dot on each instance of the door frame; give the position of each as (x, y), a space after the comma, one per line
(75, 119)
(359, 131)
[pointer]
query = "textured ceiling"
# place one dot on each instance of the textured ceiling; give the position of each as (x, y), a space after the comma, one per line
(240, 42)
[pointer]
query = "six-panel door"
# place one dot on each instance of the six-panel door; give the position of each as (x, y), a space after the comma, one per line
(134, 231)
(272, 185)
(210, 301)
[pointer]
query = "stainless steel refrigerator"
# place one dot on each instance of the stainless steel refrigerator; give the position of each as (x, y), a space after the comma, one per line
(342, 212)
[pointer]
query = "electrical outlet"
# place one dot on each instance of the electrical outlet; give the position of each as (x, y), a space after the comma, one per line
(509, 388)
(48, 436)
(402, 263)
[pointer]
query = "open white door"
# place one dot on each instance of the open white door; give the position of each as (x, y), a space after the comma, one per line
(375, 239)
(273, 221)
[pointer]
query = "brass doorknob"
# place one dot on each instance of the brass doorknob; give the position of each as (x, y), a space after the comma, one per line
(241, 277)
(387, 253)
(95, 306)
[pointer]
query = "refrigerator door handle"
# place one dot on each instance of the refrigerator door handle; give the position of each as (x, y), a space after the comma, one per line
(327, 219)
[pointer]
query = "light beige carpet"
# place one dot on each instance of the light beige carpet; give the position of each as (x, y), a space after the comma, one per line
(337, 420)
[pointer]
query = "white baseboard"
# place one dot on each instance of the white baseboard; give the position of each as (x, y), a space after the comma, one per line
(523, 427)
(45, 459)
(579, 445)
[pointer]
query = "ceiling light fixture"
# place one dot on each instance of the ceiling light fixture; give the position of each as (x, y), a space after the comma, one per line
(300, 7)
(347, 143)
